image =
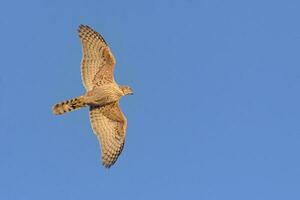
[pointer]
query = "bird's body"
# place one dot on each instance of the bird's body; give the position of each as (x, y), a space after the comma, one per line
(99, 96)
(102, 95)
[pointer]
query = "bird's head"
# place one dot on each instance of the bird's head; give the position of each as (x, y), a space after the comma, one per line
(126, 90)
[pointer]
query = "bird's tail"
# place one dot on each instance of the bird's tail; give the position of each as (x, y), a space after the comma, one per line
(68, 105)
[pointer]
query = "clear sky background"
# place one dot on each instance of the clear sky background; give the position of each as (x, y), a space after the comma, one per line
(215, 114)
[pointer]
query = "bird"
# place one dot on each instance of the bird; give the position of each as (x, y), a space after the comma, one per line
(102, 95)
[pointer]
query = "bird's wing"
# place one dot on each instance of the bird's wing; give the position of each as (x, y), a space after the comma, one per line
(109, 124)
(98, 62)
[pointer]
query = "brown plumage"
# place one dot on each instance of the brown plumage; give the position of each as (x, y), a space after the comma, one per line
(102, 95)
(69, 105)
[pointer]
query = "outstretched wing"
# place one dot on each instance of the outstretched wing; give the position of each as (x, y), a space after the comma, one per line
(109, 124)
(98, 62)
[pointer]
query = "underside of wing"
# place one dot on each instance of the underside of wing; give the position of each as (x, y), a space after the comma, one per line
(109, 124)
(96, 57)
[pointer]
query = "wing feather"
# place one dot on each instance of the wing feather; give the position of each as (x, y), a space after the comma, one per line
(109, 124)
(96, 59)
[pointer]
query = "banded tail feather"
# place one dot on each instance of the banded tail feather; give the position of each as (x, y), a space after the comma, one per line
(68, 105)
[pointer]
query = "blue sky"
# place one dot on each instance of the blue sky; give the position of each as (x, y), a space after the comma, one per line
(215, 113)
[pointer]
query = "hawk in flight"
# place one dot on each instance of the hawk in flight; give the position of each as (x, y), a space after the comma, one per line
(102, 95)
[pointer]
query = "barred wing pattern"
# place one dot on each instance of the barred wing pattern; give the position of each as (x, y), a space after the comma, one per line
(96, 57)
(109, 124)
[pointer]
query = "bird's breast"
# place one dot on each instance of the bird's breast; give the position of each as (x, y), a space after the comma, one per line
(103, 95)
